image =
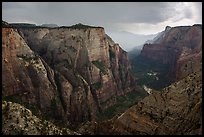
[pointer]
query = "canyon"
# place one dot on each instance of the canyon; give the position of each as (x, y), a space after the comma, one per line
(61, 79)
(176, 110)
(175, 53)
(66, 74)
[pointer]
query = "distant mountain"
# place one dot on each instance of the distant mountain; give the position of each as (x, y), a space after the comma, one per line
(177, 46)
(22, 25)
(159, 36)
(172, 54)
(129, 41)
(49, 25)
(135, 52)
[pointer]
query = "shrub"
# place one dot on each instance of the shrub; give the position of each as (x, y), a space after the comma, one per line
(112, 54)
(97, 85)
(12, 98)
(100, 65)
(82, 26)
(79, 26)
(27, 58)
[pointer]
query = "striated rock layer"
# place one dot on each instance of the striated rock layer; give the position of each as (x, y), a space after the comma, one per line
(68, 73)
(180, 47)
(177, 110)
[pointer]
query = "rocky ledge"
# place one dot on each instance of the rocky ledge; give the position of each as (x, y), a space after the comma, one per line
(18, 120)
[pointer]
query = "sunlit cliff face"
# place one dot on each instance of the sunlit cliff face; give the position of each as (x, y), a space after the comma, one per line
(70, 69)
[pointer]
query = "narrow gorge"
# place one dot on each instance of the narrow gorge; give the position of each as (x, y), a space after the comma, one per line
(77, 80)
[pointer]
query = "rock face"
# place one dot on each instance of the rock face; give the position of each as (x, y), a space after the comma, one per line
(177, 110)
(27, 78)
(121, 69)
(69, 73)
(86, 52)
(18, 120)
(180, 47)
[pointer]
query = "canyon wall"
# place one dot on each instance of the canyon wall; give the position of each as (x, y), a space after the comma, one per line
(68, 73)
(176, 110)
(180, 47)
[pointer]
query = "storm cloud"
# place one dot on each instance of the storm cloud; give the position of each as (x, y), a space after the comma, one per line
(134, 17)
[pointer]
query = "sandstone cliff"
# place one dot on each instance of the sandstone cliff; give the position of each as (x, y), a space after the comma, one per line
(28, 79)
(68, 73)
(180, 47)
(86, 52)
(177, 110)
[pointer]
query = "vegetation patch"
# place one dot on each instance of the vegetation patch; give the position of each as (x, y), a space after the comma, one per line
(122, 104)
(34, 109)
(72, 49)
(100, 66)
(27, 58)
(111, 54)
(79, 26)
(57, 78)
(97, 85)
(108, 100)
(142, 66)
(86, 89)
(53, 104)
(66, 64)
(16, 99)
(12, 98)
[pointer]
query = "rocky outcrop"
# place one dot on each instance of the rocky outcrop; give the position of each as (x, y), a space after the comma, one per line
(69, 73)
(28, 79)
(180, 47)
(177, 110)
(23, 71)
(121, 69)
(18, 120)
(87, 52)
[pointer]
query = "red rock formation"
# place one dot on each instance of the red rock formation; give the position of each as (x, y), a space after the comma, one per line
(24, 75)
(176, 47)
(75, 70)
(121, 69)
(27, 78)
(177, 110)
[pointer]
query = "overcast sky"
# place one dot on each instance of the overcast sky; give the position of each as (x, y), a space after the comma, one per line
(134, 17)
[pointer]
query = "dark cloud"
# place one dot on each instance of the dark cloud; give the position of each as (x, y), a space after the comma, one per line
(69, 12)
(11, 5)
(188, 14)
(105, 14)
